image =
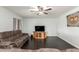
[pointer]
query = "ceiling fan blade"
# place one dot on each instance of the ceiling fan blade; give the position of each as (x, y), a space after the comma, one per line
(45, 12)
(48, 9)
(40, 8)
(33, 11)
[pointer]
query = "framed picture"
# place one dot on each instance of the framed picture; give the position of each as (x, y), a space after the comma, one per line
(73, 20)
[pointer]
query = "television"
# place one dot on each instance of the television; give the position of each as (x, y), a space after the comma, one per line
(39, 28)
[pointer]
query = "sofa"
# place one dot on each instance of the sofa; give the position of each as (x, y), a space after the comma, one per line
(13, 39)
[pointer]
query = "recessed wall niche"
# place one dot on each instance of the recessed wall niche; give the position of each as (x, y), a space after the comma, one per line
(73, 20)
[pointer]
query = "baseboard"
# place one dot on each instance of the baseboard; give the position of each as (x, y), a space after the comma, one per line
(75, 45)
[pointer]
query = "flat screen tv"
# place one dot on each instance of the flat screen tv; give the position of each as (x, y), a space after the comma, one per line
(39, 28)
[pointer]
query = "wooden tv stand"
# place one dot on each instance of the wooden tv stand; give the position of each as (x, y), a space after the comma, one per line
(39, 35)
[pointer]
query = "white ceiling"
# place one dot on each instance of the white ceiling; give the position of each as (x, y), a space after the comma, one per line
(24, 11)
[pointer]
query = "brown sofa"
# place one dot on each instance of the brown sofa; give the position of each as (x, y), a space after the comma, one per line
(13, 38)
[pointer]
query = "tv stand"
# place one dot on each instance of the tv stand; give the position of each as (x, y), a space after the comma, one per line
(39, 35)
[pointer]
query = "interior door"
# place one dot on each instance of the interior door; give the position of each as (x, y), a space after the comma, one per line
(16, 24)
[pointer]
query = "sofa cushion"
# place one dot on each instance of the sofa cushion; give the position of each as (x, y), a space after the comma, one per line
(7, 34)
(5, 40)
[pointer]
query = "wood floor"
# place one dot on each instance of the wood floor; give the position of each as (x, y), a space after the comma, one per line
(50, 42)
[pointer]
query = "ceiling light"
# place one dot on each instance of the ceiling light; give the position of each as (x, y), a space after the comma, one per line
(41, 10)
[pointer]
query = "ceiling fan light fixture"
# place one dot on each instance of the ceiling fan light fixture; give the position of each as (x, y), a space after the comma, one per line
(41, 10)
(39, 13)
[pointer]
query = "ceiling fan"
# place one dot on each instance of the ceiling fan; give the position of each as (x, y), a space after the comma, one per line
(41, 10)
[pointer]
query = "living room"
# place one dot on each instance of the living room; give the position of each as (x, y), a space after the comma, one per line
(58, 33)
